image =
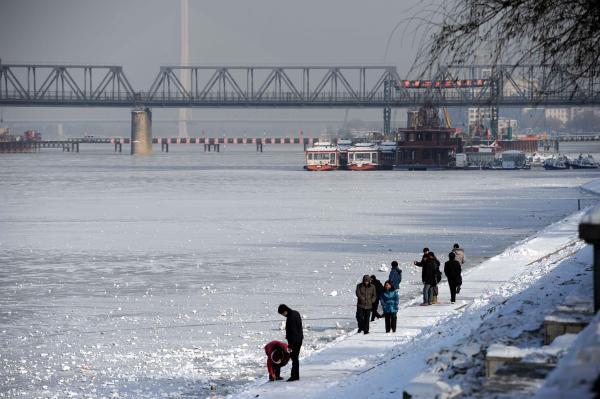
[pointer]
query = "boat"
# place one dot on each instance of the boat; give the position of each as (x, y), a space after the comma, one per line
(557, 163)
(538, 159)
(584, 163)
(322, 157)
(514, 159)
(364, 156)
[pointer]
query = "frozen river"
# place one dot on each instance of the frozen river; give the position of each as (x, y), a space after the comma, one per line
(161, 276)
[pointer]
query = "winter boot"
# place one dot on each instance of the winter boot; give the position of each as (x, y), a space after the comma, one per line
(434, 299)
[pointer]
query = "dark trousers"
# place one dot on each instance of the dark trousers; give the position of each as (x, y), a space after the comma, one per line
(362, 317)
(374, 312)
(390, 322)
(453, 285)
(295, 352)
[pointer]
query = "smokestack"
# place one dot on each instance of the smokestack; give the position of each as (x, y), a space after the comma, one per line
(184, 51)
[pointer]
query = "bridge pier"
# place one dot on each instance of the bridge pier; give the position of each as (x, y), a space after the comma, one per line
(141, 132)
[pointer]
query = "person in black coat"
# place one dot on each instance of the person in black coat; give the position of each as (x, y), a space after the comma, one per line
(438, 277)
(294, 336)
(420, 264)
(378, 291)
(429, 280)
(453, 270)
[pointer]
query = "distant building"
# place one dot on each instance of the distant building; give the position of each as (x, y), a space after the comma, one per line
(561, 114)
(477, 115)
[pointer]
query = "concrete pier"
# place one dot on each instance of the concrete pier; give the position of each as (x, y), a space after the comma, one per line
(141, 132)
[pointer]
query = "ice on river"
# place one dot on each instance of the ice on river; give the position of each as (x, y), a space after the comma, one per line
(161, 276)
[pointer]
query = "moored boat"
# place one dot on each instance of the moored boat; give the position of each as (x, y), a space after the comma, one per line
(584, 163)
(322, 157)
(558, 163)
(364, 156)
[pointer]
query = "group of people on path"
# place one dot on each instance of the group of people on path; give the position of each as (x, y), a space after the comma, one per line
(431, 274)
(370, 292)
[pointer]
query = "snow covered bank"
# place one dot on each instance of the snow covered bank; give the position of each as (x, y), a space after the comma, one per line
(381, 365)
(578, 371)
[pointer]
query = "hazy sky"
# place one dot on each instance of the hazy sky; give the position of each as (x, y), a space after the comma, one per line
(141, 35)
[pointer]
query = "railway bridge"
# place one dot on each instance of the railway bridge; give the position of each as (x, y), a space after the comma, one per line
(294, 86)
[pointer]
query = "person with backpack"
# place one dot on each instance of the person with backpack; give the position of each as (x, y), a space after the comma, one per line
(389, 300)
(395, 277)
(453, 270)
(438, 277)
(378, 290)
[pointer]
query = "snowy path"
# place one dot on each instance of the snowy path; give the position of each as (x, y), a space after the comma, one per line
(380, 365)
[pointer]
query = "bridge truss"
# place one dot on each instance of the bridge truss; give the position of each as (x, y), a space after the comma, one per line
(295, 86)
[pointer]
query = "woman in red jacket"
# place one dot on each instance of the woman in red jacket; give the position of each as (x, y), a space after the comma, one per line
(277, 356)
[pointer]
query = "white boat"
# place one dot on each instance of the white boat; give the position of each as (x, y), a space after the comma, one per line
(364, 156)
(322, 157)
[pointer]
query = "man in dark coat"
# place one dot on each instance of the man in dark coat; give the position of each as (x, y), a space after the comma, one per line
(453, 270)
(429, 280)
(378, 290)
(460, 258)
(366, 295)
(420, 264)
(294, 336)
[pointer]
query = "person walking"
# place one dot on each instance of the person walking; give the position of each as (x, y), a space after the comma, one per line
(429, 281)
(459, 253)
(277, 357)
(438, 277)
(389, 300)
(460, 257)
(378, 290)
(395, 276)
(294, 336)
(453, 270)
(366, 295)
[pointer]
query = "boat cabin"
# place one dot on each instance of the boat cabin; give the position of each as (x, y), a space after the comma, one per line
(323, 156)
(364, 156)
